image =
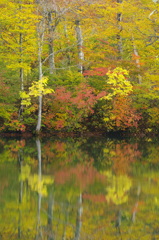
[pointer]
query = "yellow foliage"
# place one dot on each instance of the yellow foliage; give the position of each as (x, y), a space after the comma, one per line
(37, 89)
(18, 37)
(119, 83)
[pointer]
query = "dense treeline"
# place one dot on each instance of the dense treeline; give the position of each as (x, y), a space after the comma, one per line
(71, 65)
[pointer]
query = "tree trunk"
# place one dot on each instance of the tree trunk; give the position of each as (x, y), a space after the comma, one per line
(38, 127)
(119, 38)
(51, 44)
(40, 98)
(21, 61)
(137, 60)
(21, 73)
(79, 45)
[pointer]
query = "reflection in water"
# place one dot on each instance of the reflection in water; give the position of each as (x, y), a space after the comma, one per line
(79, 218)
(50, 218)
(20, 161)
(39, 227)
(135, 208)
(118, 222)
(74, 189)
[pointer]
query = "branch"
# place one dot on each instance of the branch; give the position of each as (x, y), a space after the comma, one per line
(62, 50)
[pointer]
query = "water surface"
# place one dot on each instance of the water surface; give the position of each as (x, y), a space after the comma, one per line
(79, 188)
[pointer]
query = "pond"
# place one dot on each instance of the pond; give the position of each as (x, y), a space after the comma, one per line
(79, 188)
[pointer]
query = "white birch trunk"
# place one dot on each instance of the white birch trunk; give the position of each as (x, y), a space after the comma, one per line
(40, 30)
(38, 126)
(137, 60)
(79, 44)
(119, 38)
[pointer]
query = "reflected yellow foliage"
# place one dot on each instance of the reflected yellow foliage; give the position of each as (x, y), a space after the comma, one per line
(99, 213)
(118, 188)
(37, 183)
(25, 172)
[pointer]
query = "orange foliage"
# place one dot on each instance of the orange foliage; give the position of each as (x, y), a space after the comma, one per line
(95, 198)
(125, 154)
(124, 114)
(84, 175)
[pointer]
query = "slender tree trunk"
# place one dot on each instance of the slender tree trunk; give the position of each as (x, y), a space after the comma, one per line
(21, 61)
(40, 98)
(119, 38)
(137, 60)
(38, 126)
(79, 44)
(51, 44)
(21, 73)
(21, 53)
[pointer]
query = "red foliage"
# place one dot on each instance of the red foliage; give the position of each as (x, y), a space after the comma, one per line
(84, 175)
(95, 198)
(102, 71)
(125, 154)
(68, 109)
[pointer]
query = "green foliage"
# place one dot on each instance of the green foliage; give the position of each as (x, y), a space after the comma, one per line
(67, 78)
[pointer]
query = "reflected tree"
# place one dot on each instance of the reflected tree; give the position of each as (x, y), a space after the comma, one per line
(39, 227)
(79, 218)
(50, 217)
(20, 161)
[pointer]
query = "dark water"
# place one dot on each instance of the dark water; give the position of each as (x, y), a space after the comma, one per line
(84, 188)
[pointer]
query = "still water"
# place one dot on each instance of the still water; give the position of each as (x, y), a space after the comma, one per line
(78, 189)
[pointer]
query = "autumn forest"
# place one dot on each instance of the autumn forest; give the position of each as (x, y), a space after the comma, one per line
(79, 65)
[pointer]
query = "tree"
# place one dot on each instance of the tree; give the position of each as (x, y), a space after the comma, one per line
(18, 40)
(38, 89)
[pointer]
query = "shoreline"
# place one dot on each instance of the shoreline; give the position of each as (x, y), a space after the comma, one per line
(115, 134)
